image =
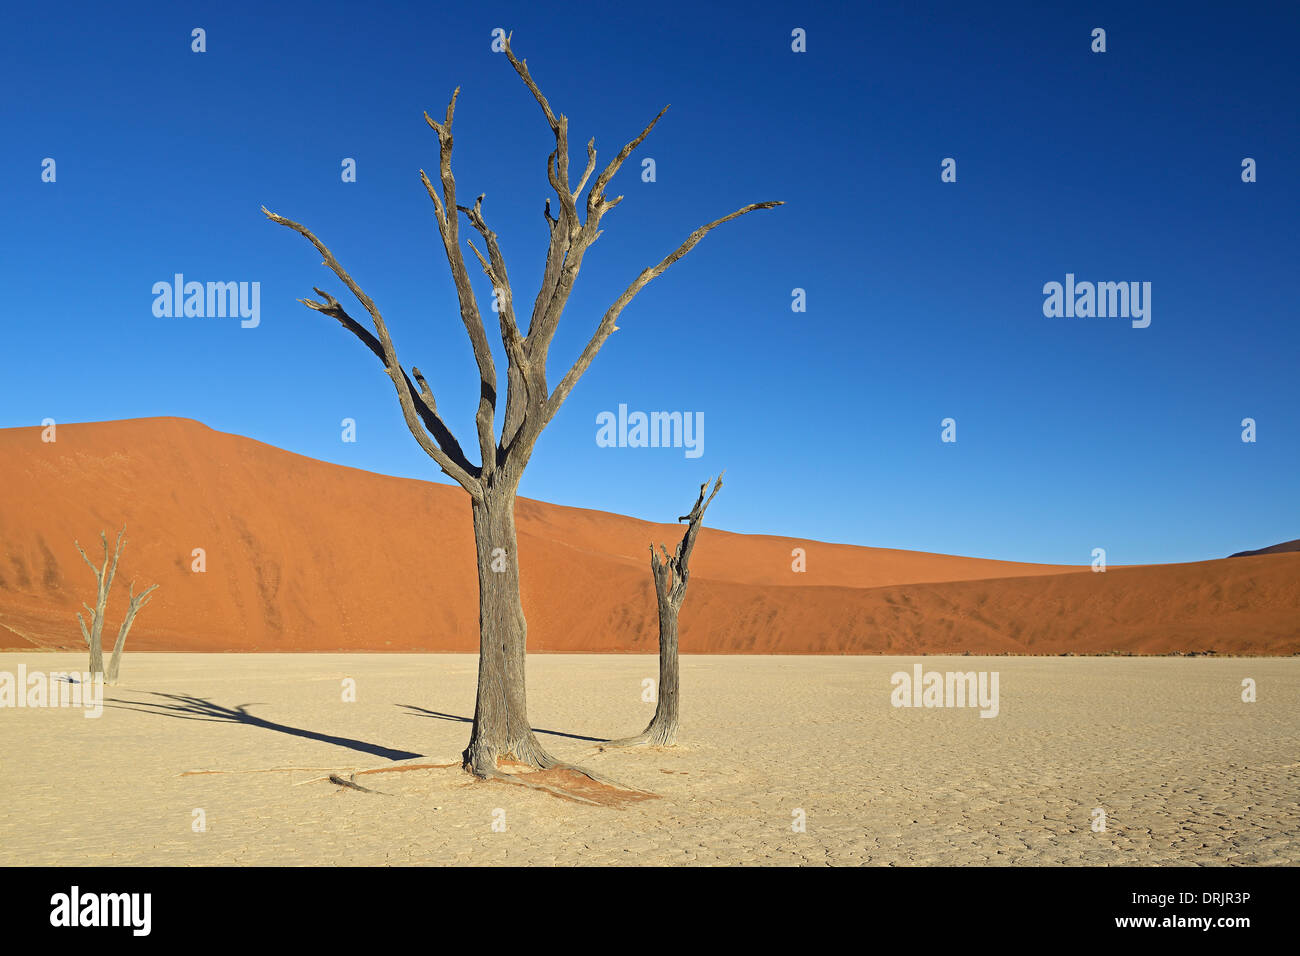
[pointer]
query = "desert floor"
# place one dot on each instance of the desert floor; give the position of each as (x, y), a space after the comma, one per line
(1186, 772)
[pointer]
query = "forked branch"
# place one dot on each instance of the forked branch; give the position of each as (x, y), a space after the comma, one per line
(608, 324)
(406, 394)
(678, 565)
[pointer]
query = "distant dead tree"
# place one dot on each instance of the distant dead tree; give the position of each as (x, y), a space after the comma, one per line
(501, 728)
(94, 633)
(671, 576)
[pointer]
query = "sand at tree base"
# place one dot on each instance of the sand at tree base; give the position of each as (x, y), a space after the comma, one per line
(1186, 772)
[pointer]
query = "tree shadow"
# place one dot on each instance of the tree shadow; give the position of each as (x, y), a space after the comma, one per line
(186, 707)
(425, 712)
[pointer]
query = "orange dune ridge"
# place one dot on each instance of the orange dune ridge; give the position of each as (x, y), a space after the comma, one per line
(303, 555)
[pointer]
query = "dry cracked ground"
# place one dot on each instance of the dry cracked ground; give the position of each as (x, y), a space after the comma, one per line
(224, 760)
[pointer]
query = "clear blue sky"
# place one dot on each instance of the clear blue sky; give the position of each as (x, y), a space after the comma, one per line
(924, 298)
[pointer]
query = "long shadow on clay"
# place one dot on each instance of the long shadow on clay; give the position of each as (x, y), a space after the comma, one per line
(186, 707)
(423, 712)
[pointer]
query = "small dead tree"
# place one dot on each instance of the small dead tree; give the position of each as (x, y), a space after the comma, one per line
(671, 576)
(93, 634)
(501, 728)
(104, 580)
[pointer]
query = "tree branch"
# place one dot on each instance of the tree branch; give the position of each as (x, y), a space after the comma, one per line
(388, 355)
(694, 519)
(673, 574)
(607, 324)
(519, 389)
(425, 405)
(494, 267)
(97, 571)
(134, 603)
(565, 250)
(449, 229)
(111, 569)
(591, 167)
(545, 322)
(596, 204)
(557, 167)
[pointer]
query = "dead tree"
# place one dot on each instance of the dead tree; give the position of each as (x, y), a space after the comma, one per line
(671, 576)
(501, 728)
(104, 580)
(94, 633)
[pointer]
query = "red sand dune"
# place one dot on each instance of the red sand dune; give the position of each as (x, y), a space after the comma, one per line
(308, 556)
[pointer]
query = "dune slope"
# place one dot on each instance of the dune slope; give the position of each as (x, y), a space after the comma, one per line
(302, 555)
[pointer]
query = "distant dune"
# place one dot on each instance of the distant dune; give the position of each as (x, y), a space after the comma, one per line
(308, 556)
(1286, 547)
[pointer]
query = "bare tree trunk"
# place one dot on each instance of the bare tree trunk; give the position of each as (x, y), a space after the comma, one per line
(96, 638)
(671, 576)
(663, 726)
(134, 603)
(501, 727)
(114, 664)
(96, 654)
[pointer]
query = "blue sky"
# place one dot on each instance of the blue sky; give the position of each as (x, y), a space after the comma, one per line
(924, 298)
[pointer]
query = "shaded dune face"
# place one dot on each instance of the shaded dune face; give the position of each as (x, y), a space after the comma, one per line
(1283, 548)
(302, 555)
